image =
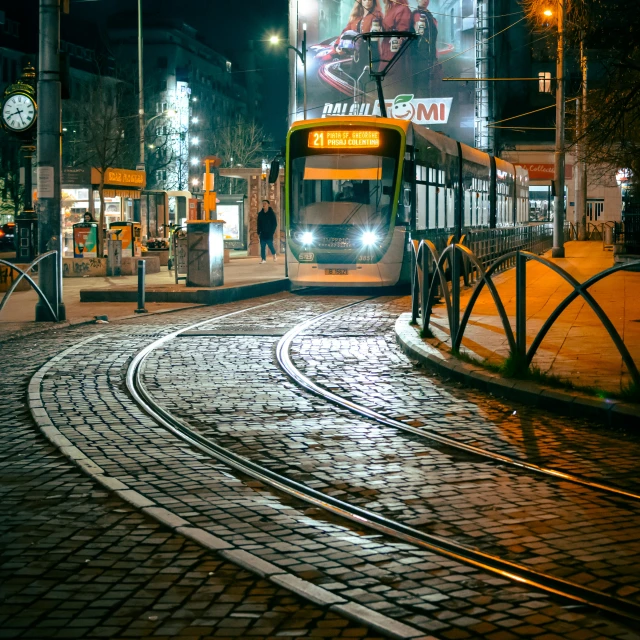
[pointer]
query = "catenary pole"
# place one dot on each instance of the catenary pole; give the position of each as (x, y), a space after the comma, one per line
(49, 148)
(558, 223)
(140, 84)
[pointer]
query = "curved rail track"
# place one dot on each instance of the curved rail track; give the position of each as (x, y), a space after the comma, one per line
(286, 364)
(618, 607)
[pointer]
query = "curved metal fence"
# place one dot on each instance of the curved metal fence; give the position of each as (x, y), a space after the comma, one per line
(24, 273)
(433, 271)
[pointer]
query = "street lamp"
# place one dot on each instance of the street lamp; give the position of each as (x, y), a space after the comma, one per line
(302, 54)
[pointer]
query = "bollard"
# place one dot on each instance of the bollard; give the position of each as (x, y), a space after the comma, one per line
(141, 271)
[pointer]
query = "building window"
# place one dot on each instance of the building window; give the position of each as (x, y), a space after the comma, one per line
(544, 82)
(228, 67)
(161, 175)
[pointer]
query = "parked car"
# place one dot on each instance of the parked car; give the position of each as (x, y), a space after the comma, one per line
(8, 236)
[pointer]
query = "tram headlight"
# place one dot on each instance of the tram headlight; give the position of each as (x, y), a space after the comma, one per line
(369, 238)
(307, 238)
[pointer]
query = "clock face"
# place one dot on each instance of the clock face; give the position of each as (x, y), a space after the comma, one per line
(19, 112)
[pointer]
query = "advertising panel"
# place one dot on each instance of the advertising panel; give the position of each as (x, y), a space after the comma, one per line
(338, 78)
(85, 240)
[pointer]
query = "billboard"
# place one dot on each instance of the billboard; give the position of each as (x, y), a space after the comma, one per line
(339, 82)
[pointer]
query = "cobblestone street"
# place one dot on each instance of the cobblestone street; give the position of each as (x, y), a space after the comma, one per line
(79, 561)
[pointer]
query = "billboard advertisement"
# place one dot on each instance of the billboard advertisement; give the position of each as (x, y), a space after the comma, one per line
(339, 63)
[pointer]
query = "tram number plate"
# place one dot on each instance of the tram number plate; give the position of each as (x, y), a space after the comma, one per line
(336, 272)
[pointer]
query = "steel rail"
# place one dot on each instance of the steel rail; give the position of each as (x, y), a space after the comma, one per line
(619, 607)
(284, 359)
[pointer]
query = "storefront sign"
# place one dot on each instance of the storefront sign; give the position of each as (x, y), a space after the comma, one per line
(538, 171)
(120, 177)
(72, 176)
(121, 193)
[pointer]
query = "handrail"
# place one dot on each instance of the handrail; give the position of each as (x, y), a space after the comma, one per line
(422, 308)
(25, 274)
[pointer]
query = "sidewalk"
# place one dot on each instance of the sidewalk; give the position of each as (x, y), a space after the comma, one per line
(577, 348)
(18, 315)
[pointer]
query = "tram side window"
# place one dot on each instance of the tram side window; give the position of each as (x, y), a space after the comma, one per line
(421, 206)
(467, 208)
(432, 206)
(450, 220)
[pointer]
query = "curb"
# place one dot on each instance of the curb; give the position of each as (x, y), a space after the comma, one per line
(611, 412)
(65, 324)
(307, 590)
(192, 295)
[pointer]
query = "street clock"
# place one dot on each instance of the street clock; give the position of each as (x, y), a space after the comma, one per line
(19, 109)
(19, 112)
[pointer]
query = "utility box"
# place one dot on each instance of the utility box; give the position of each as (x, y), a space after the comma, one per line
(114, 257)
(205, 253)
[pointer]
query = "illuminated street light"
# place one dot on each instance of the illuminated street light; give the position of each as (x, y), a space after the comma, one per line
(194, 120)
(194, 161)
(302, 54)
(548, 13)
(195, 141)
(152, 146)
(195, 182)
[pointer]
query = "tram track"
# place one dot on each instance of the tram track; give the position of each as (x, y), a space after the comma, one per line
(299, 378)
(513, 571)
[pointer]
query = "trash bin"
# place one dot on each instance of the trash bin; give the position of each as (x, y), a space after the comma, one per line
(607, 236)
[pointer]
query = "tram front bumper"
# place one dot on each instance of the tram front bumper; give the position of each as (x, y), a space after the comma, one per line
(341, 275)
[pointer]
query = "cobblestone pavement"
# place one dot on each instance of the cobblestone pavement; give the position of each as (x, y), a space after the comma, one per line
(237, 394)
(559, 528)
(354, 353)
(77, 563)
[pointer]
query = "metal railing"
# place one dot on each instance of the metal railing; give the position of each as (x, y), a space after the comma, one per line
(426, 282)
(24, 273)
(627, 232)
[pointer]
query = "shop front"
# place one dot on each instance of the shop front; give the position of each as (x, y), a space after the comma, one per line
(604, 200)
(81, 196)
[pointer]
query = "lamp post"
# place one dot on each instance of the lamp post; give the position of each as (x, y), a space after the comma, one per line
(140, 86)
(302, 54)
(559, 156)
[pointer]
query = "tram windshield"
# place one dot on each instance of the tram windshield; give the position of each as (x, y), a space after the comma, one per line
(342, 189)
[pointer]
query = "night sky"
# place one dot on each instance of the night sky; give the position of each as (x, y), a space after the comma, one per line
(227, 26)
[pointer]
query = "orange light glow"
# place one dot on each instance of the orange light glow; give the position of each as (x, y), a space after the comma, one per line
(321, 173)
(325, 139)
(548, 13)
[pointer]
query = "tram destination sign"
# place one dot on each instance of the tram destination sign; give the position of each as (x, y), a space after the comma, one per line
(343, 139)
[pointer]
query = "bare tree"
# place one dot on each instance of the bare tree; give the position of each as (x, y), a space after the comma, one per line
(611, 135)
(239, 142)
(104, 122)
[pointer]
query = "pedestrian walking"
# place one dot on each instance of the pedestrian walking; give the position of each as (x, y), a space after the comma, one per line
(267, 225)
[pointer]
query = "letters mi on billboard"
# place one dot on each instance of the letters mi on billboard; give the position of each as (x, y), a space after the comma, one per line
(338, 80)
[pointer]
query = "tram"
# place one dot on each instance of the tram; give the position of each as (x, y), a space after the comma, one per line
(358, 188)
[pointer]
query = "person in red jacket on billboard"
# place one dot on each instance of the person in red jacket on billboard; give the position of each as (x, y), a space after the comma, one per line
(362, 15)
(397, 17)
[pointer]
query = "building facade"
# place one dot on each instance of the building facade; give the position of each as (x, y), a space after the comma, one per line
(190, 91)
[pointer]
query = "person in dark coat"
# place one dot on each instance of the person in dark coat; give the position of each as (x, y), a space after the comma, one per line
(267, 225)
